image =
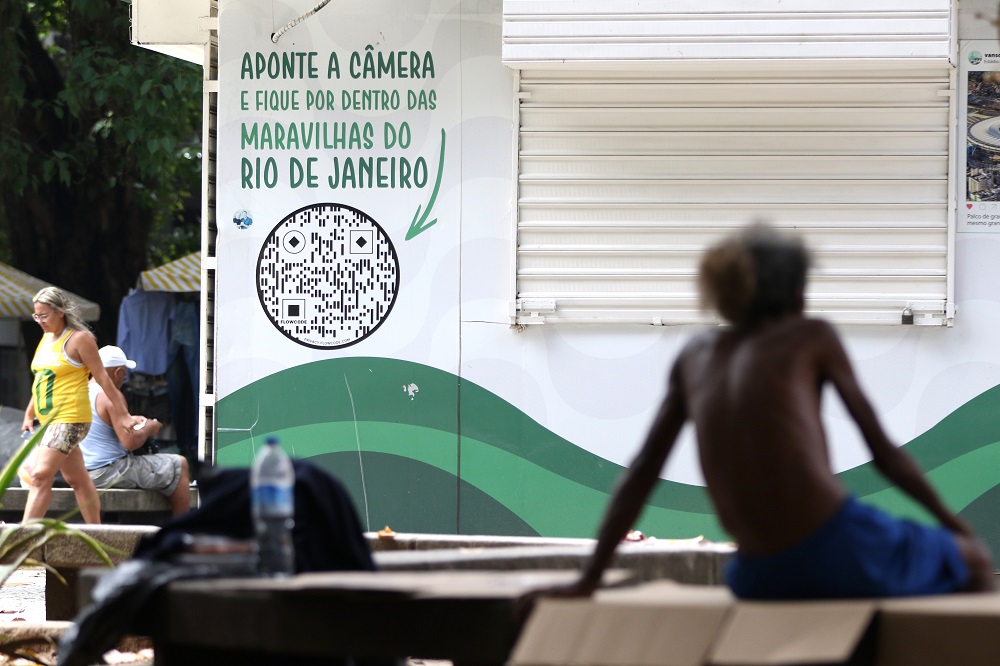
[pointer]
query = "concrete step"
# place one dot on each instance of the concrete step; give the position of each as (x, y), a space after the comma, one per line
(117, 505)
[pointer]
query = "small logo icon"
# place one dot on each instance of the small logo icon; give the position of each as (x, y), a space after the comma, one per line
(242, 219)
(975, 58)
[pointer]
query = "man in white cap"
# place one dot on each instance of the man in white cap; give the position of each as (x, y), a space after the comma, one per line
(107, 450)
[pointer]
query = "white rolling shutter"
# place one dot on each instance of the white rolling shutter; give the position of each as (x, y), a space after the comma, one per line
(627, 171)
(539, 32)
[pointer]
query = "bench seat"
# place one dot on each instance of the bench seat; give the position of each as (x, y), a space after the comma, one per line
(117, 505)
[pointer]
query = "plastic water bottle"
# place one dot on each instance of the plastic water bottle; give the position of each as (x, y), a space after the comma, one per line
(272, 481)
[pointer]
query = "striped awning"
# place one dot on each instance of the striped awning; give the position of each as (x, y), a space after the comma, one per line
(17, 289)
(179, 275)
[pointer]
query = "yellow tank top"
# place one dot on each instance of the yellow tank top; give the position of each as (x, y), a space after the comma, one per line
(59, 382)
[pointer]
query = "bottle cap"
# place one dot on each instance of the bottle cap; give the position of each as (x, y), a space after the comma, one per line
(271, 440)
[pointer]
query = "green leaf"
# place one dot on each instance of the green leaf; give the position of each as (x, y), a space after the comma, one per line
(19, 543)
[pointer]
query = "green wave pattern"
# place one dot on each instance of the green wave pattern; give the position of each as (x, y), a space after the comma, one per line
(417, 418)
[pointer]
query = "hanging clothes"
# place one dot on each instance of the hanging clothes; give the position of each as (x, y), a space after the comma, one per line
(145, 320)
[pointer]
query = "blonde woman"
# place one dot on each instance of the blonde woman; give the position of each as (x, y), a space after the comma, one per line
(65, 359)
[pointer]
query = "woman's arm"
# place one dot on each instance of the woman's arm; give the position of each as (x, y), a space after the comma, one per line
(84, 346)
(28, 424)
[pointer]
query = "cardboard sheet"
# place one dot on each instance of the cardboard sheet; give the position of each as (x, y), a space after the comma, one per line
(668, 624)
(792, 633)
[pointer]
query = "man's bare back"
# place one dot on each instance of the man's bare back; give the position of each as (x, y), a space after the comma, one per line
(754, 398)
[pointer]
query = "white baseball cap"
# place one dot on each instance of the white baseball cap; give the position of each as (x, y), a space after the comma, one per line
(113, 357)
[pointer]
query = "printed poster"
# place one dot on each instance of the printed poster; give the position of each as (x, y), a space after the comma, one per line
(979, 147)
(338, 187)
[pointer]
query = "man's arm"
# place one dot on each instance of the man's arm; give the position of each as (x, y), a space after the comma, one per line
(894, 464)
(635, 485)
(130, 438)
(84, 346)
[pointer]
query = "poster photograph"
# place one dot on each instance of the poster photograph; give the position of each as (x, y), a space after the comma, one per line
(980, 65)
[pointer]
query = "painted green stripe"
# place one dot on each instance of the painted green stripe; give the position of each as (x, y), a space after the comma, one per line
(372, 389)
(316, 407)
(960, 482)
(549, 503)
(556, 506)
(487, 418)
(344, 389)
(972, 426)
(423, 444)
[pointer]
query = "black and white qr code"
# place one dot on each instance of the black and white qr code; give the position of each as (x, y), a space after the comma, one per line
(327, 276)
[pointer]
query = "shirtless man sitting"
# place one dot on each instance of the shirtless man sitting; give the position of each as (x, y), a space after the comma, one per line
(752, 390)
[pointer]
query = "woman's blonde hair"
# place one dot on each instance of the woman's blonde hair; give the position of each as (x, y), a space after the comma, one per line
(57, 299)
(754, 274)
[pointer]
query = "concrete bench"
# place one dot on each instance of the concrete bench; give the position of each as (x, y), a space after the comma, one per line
(133, 506)
(685, 561)
(68, 556)
(415, 541)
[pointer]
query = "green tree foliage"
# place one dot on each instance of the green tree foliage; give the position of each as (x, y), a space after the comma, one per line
(99, 150)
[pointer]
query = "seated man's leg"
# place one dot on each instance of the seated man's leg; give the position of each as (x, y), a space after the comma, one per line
(166, 473)
(111, 475)
(180, 499)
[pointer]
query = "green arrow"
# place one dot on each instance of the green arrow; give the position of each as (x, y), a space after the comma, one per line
(417, 226)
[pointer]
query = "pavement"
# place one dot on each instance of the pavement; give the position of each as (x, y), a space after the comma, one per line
(23, 597)
(22, 611)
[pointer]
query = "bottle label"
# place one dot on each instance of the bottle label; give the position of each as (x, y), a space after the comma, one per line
(273, 500)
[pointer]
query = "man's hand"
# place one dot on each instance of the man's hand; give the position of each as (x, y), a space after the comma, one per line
(130, 422)
(149, 427)
(958, 526)
(581, 587)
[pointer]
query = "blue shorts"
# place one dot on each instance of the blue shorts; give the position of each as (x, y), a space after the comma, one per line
(860, 552)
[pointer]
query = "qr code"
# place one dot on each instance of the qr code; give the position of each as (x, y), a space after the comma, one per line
(327, 276)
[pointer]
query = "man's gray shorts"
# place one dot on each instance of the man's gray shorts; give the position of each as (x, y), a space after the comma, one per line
(158, 471)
